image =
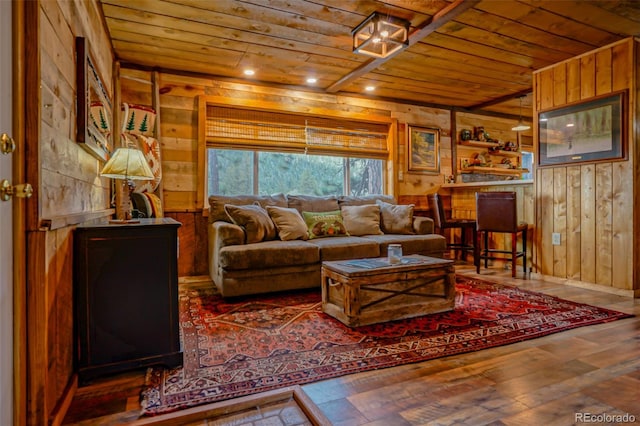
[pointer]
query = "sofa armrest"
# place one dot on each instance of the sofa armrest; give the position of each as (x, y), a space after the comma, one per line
(423, 225)
(221, 234)
(225, 234)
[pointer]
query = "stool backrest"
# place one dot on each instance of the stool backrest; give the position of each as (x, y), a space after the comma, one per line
(437, 210)
(496, 211)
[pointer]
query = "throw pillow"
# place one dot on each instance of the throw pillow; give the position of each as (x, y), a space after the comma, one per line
(254, 219)
(362, 220)
(396, 218)
(324, 224)
(313, 203)
(289, 223)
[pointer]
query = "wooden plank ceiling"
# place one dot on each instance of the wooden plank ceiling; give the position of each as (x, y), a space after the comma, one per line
(466, 53)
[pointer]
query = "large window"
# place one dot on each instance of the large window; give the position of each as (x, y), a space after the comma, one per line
(236, 172)
(257, 151)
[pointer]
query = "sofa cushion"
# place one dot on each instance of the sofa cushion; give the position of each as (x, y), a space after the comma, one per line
(268, 254)
(362, 220)
(311, 203)
(346, 248)
(396, 218)
(430, 245)
(289, 223)
(352, 200)
(324, 224)
(217, 202)
(255, 220)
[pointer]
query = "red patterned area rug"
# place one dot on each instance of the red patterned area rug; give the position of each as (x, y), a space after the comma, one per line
(241, 347)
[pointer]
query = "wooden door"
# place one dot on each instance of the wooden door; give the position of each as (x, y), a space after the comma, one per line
(6, 220)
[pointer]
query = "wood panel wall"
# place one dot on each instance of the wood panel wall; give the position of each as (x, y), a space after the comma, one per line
(179, 141)
(592, 206)
(68, 191)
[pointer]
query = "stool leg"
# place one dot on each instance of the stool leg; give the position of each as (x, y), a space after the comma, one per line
(524, 251)
(463, 241)
(485, 250)
(476, 251)
(514, 253)
(474, 236)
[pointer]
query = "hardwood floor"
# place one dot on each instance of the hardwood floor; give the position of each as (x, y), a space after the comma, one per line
(552, 380)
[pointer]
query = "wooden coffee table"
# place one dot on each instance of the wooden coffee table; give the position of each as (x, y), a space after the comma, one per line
(368, 291)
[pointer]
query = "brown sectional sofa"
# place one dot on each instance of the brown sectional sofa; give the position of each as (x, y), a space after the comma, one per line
(240, 268)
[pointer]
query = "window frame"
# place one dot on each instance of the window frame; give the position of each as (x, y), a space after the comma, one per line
(364, 116)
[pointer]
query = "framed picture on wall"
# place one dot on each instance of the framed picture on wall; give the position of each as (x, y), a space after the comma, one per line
(591, 130)
(93, 106)
(424, 149)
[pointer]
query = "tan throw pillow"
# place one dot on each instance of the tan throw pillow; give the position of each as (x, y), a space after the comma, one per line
(362, 220)
(254, 219)
(396, 218)
(324, 224)
(289, 223)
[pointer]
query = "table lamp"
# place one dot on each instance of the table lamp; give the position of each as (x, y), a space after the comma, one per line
(127, 164)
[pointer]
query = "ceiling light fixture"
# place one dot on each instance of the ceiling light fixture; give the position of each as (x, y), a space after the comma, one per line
(520, 126)
(380, 35)
(370, 88)
(312, 80)
(249, 72)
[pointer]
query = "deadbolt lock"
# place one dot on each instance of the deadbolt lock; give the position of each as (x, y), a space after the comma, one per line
(23, 190)
(7, 144)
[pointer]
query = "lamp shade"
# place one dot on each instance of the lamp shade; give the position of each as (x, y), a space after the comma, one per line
(128, 164)
(520, 127)
(380, 35)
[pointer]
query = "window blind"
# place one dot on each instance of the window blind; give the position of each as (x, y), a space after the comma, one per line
(231, 127)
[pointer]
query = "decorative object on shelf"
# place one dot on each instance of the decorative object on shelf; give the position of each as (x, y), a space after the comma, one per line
(510, 146)
(424, 149)
(93, 106)
(479, 133)
(128, 164)
(480, 159)
(591, 130)
(465, 134)
(520, 126)
(380, 35)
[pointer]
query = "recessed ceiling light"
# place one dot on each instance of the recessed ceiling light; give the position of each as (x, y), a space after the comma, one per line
(249, 72)
(312, 80)
(370, 88)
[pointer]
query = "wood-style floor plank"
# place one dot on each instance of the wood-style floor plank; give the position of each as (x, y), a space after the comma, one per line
(546, 381)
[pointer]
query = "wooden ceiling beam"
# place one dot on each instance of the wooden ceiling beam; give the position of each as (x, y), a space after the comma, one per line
(501, 99)
(440, 18)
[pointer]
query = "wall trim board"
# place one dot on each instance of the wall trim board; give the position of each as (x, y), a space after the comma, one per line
(586, 285)
(57, 222)
(252, 104)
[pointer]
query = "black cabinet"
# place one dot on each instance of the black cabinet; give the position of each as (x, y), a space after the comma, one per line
(126, 296)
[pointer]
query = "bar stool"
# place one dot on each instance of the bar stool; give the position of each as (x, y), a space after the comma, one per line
(442, 222)
(496, 212)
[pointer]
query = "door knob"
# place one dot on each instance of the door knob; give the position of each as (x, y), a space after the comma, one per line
(23, 190)
(7, 144)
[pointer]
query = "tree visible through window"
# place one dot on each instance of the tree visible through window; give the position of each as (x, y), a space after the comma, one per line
(236, 172)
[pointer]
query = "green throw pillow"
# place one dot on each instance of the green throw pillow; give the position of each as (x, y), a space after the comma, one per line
(324, 224)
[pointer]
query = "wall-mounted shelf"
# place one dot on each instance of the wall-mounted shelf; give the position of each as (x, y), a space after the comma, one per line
(480, 144)
(494, 170)
(502, 153)
(490, 145)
